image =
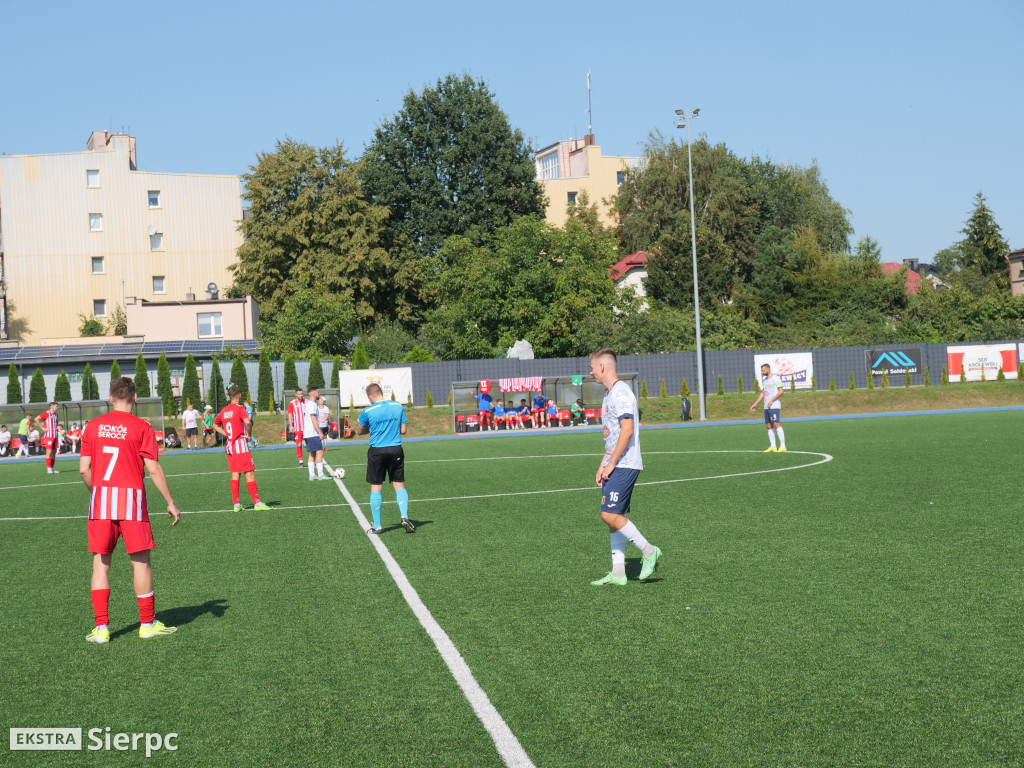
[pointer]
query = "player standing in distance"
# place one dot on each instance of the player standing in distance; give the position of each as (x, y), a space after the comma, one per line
(771, 392)
(231, 422)
(207, 424)
(295, 421)
(484, 400)
(540, 405)
(620, 469)
(323, 419)
(23, 437)
(313, 435)
(51, 440)
(190, 423)
(385, 421)
(117, 450)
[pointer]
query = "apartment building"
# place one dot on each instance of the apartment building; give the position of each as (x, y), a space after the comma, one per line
(80, 232)
(567, 168)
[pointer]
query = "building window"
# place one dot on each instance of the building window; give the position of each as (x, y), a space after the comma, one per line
(158, 284)
(92, 179)
(156, 242)
(572, 198)
(99, 307)
(209, 325)
(620, 177)
(97, 265)
(154, 198)
(549, 166)
(95, 222)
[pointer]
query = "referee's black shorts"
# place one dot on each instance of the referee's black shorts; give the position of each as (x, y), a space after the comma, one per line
(385, 463)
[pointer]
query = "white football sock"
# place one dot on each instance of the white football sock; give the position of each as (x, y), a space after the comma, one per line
(782, 436)
(771, 437)
(618, 553)
(630, 532)
(320, 468)
(311, 468)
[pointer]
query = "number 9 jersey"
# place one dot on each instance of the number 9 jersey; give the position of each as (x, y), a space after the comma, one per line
(117, 445)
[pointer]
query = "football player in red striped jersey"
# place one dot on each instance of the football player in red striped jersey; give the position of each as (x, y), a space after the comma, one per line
(117, 451)
(295, 421)
(233, 423)
(51, 439)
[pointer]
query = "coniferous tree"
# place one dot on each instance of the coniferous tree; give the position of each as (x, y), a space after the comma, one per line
(360, 360)
(945, 376)
(871, 380)
(142, 386)
(215, 394)
(663, 393)
(62, 388)
(291, 379)
(430, 400)
(720, 390)
(684, 390)
(335, 368)
(164, 388)
(853, 382)
(266, 384)
(239, 376)
(885, 380)
(983, 244)
(115, 370)
(927, 376)
(1000, 376)
(37, 387)
(906, 379)
(643, 387)
(316, 373)
(90, 387)
(831, 382)
(14, 386)
(190, 391)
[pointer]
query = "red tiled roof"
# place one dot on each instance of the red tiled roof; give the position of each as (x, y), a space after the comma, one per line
(621, 267)
(913, 283)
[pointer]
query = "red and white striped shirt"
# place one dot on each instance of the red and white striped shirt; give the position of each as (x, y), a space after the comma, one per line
(118, 445)
(232, 420)
(50, 424)
(295, 415)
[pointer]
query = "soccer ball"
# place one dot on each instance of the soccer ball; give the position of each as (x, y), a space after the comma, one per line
(339, 473)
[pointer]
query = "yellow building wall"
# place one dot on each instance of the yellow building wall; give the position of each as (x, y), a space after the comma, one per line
(48, 246)
(600, 184)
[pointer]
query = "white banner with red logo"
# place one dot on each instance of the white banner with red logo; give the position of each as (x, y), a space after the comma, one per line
(352, 384)
(521, 384)
(791, 366)
(990, 358)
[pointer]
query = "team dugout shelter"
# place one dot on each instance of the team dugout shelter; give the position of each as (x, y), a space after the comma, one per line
(563, 390)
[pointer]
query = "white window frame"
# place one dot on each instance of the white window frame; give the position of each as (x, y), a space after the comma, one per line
(549, 166)
(159, 243)
(103, 265)
(163, 283)
(99, 314)
(216, 324)
(90, 175)
(150, 202)
(97, 220)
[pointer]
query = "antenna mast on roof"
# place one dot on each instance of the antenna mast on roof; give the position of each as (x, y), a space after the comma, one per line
(590, 113)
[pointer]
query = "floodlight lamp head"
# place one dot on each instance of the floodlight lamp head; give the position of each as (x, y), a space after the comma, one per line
(695, 112)
(680, 112)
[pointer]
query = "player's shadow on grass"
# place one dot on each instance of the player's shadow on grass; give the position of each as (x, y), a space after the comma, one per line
(633, 566)
(178, 617)
(398, 526)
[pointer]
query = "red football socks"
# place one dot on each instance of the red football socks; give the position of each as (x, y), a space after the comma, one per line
(49, 463)
(252, 492)
(100, 601)
(234, 491)
(147, 607)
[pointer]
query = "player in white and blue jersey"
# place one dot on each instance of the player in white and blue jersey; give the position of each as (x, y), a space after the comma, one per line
(620, 467)
(385, 422)
(772, 388)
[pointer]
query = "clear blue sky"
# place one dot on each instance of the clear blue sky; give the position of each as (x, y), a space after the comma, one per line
(909, 109)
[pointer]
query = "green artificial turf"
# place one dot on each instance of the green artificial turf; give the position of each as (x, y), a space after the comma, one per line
(860, 612)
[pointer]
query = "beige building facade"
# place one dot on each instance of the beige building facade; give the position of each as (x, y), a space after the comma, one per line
(568, 168)
(82, 231)
(215, 319)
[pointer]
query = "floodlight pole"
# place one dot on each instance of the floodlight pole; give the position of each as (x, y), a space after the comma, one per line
(681, 119)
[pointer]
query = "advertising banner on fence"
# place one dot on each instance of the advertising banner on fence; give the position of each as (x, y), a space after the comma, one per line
(989, 358)
(791, 366)
(894, 362)
(352, 384)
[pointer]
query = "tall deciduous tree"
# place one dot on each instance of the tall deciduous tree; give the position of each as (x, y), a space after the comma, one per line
(62, 388)
(311, 321)
(983, 245)
(142, 386)
(190, 392)
(312, 228)
(449, 162)
(164, 388)
(14, 395)
(37, 387)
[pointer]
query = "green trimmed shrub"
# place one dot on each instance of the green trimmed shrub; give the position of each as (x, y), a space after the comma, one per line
(14, 386)
(142, 387)
(927, 376)
(37, 388)
(164, 389)
(430, 400)
(684, 390)
(945, 377)
(265, 384)
(739, 384)
(62, 388)
(643, 387)
(831, 382)
(360, 359)
(316, 373)
(853, 382)
(663, 393)
(720, 390)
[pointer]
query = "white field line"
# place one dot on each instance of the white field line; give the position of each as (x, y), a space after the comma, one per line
(508, 746)
(182, 474)
(825, 458)
(155, 515)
